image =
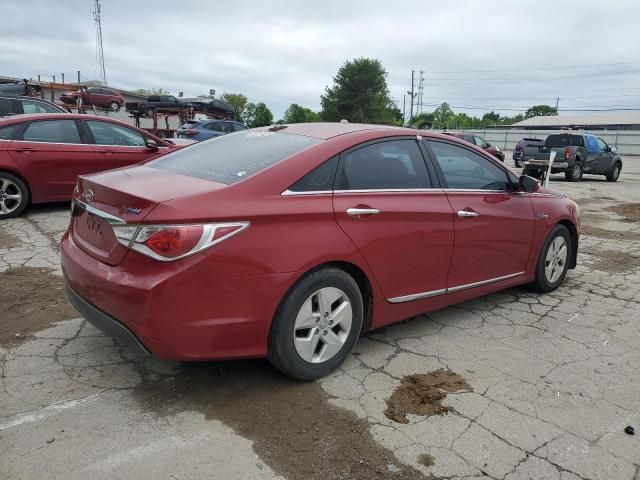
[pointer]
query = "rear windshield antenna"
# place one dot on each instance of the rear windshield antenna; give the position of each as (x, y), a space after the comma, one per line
(275, 128)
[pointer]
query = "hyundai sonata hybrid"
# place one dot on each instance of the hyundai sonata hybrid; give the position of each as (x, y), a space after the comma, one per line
(289, 241)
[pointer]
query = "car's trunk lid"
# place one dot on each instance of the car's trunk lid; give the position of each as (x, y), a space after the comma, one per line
(124, 196)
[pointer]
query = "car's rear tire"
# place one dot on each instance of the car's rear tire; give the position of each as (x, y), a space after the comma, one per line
(114, 106)
(614, 174)
(14, 195)
(553, 260)
(574, 174)
(316, 325)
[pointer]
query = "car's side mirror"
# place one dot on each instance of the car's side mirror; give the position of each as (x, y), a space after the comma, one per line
(613, 149)
(152, 145)
(528, 184)
(487, 145)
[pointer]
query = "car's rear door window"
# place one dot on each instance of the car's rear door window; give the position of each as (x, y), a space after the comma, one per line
(52, 131)
(33, 106)
(6, 107)
(231, 158)
(467, 170)
(390, 165)
(105, 133)
(7, 133)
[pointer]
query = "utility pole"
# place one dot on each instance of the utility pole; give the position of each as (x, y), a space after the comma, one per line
(412, 95)
(557, 102)
(404, 109)
(78, 77)
(62, 78)
(419, 94)
(96, 17)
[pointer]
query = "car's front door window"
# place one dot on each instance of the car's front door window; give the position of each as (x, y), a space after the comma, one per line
(602, 145)
(52, 131)
(32, 106)
(481, 142)
(396, 164)
(464, 169)
(109, 134)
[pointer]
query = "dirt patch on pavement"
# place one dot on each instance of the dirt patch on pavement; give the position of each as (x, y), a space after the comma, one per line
(590, 231)
(612, 261)
(426, 460)
(294, 428)
(30, 300)
(630, 211)
(7, 240)
(422, 394)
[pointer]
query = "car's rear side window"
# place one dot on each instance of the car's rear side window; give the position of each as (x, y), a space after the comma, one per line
(231, 158)
(565, 140)
(390, 165)
(6, 107)
(52, 131)
(7, 133)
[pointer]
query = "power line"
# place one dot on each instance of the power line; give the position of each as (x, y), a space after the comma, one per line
(529, 69)
(481, 81)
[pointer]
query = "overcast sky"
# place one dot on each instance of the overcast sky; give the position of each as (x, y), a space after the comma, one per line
(500, 55)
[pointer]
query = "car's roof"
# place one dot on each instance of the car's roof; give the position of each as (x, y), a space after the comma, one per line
(54, 116)
(326, 130)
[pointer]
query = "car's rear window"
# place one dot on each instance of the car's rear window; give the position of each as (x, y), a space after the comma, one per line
(234, 157)
(565, 140)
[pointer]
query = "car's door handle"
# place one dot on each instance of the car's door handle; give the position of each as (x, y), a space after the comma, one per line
(107, 152)
(467, 213)
(354, 212)
(25, 150)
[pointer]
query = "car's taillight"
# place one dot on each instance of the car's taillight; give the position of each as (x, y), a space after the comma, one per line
(567, 153)
(172, 242)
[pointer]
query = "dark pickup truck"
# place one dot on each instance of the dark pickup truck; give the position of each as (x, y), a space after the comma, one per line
(576, 154)
(169, 103)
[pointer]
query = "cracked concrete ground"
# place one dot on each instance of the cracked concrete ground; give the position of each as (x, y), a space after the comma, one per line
(553, 381)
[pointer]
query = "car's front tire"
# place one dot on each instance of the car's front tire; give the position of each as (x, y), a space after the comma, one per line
(614, 174)
(114, 106)
(14, 195)
(316, 325)
(553, 260)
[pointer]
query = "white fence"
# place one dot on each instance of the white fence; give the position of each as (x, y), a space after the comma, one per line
(627, 141)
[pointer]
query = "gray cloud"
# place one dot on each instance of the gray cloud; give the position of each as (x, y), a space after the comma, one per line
(282, 52)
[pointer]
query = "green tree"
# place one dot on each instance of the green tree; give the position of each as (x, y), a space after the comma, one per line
(541, 111)
(443, 116)
(359, 94)
(297, 114)
(262, 116)
(238, 102)
(422, 120)
(146, 92)
(491, 118)
(249, 114)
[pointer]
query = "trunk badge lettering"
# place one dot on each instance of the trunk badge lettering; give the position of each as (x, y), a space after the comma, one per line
(134, 211)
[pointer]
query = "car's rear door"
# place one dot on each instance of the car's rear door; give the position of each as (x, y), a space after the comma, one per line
(493, 223)
(385, 202)
(605, 159)
(117, 145)
(53, 154)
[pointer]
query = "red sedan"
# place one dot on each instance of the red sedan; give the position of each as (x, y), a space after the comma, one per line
(42, 155)
(289, 241)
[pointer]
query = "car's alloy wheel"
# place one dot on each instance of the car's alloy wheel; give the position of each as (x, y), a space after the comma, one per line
(556, 259)
(316, 325)
(114, 106)
(553, 261)
(575, 174)
(13, 195)
(323, 325)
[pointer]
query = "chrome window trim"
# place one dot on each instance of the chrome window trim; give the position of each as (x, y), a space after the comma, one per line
(444, 291)
(86, 144)
(112, 219)
(288, 192)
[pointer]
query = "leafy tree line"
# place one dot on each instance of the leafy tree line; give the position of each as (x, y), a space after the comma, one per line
(360, 94)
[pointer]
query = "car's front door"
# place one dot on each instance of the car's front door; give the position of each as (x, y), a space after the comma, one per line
(53, 154)
(605, 159)
(384, 201)
(118, 146)
(493, 223)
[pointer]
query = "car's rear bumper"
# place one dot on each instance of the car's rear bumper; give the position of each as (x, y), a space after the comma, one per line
(183, 310)
(104, 322)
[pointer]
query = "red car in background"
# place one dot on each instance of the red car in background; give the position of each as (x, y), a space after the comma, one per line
(41, 155)
(99, 96)
(289, 241)
(478, 141)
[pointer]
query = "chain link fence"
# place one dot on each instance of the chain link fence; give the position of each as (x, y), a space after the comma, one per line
(626, 141)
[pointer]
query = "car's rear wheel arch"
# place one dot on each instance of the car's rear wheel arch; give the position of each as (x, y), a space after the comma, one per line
(24, 180)
(573, 231)
(355, 272)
